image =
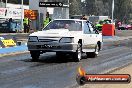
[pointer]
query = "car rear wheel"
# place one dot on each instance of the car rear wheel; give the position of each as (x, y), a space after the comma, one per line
(35, 55)
(78, 54)
(93, 54)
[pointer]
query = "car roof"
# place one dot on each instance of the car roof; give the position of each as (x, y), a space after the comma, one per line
(75, 20)
(71, 19)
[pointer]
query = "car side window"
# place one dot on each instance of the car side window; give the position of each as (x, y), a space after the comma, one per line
(86, 28)
(91, 28)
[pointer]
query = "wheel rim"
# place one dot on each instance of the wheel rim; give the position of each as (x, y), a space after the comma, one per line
(79, 53)
(97, 50)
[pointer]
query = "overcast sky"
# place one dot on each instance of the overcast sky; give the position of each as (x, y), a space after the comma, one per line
(82, 0)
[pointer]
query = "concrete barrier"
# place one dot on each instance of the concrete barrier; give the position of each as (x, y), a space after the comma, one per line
(14, 49)
(9, 44)
(7, 41)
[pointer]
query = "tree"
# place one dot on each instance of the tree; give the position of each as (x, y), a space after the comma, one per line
(123, 9)
(91, 7)
(17, 1)
(11, 1)
(75, 7)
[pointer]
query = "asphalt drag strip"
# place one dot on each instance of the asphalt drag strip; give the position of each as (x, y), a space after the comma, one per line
(49, 72)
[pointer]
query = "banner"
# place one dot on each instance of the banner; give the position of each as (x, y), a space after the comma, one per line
(3, 12)
(10, 13)
(14, 13)
(31, 14)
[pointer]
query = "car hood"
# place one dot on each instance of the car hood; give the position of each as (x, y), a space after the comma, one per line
(55, 33)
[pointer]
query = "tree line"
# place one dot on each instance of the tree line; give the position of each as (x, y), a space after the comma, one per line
(26, 2)
(122, 9)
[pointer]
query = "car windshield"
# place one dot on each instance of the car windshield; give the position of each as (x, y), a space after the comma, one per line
(71, 25)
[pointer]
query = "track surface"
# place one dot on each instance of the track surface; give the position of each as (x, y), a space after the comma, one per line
(20, 72)
(50, 72)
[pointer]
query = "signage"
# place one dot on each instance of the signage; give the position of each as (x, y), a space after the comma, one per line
(10, 13)
(14, 13)
(3, 12)
(31, 14)
(50, 4)
(8, 42)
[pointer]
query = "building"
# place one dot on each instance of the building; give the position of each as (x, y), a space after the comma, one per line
(55, 12)
(10, 5)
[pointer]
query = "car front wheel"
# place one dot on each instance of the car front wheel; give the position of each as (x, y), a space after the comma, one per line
(35, 55)
(78, 54)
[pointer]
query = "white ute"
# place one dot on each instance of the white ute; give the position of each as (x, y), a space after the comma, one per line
(66, 36)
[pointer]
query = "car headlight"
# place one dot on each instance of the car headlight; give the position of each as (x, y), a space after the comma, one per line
(33, 39)
(67, 40)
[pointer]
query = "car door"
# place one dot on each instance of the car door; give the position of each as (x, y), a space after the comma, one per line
(90, 37)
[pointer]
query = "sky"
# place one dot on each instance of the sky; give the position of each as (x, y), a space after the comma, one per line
(82, 0)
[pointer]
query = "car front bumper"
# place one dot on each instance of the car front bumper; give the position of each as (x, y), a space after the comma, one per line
(52, 47)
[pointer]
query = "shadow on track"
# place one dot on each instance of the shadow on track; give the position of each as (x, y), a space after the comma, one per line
(52, 58)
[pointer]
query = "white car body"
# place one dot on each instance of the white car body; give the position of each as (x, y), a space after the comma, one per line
(64, 40)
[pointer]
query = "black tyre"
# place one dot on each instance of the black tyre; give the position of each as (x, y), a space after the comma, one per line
(93, 54)
(78, 54)
(35, 55)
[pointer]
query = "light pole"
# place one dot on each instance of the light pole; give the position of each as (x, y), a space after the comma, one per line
(22, 14)
(113, 5)
(1, 3)
(6, 4)
(68, 3)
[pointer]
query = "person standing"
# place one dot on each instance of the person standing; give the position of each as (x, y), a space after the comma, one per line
(83, 17)
(26, 24)
(47, 19)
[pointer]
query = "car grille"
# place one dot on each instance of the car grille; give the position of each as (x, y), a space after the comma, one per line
(47, 40)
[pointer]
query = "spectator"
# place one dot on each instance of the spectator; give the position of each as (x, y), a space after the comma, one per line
(119, 24)
(26, 25)
(47, 19)
(83, 17)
